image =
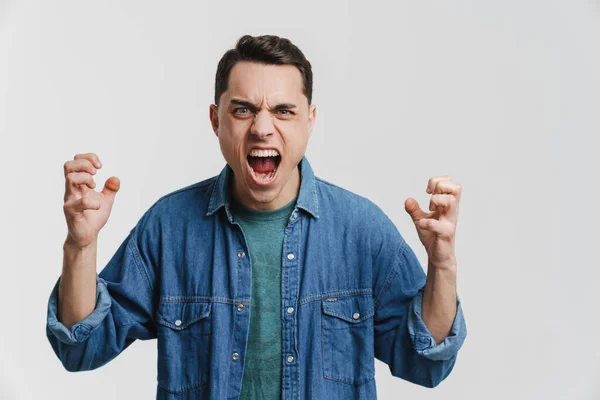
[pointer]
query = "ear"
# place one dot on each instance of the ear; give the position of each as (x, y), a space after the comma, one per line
(214, 118)
(312, 115)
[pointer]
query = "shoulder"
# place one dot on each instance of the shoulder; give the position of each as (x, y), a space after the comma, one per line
(338, 200)
(349, 208)
(199, 191)
(185, 203)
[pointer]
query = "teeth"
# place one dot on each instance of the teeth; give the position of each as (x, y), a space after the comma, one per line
(263, 153)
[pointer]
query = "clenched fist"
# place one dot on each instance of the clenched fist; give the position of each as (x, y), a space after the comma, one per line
(86, 210)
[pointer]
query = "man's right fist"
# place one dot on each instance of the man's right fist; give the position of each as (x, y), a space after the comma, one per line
(86, 210)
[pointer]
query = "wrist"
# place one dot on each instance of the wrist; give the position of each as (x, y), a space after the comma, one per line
(71, 245)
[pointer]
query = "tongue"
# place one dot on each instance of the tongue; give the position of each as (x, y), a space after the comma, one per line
(262, 164)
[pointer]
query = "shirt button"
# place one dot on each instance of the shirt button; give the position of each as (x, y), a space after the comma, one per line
(290, 310)
(290, 359)
(235, 356)
(177, 323)
(355, 315)
(241, 254)
(240, 307)
(290, 256)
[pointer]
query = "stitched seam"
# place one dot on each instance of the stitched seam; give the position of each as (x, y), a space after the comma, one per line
(391, 275)
(137, 260)
(341, 188)
(338, 293)
(211, 206)
(167, 323)
(315, 196)
(355, 383)
(190, 187)
(201, 299)
(185, 389)
(346, 318)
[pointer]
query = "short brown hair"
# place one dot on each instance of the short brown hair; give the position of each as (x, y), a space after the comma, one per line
(266, 49)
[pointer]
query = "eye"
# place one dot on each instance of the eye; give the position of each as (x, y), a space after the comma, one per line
(240, 109)
(286, 112)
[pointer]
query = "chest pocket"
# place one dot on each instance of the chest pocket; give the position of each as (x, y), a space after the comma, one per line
(184, 345)
(347, 331)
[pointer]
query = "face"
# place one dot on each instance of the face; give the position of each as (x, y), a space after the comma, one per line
(263, 113)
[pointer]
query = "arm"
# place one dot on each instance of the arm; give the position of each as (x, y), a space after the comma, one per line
(123, 312)
(92, 318)
(437, 231)
(77, 288)
(402, 340)
(439, 301)
(86, 212)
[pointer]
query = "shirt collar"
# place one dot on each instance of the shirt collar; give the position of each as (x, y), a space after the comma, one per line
(307, 196)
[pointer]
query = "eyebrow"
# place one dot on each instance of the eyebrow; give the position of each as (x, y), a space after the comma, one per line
(282, 106)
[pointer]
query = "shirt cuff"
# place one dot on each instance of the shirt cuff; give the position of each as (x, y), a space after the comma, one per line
(82, 329)
(424, 343)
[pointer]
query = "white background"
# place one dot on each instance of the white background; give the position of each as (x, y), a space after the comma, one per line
(502, 96)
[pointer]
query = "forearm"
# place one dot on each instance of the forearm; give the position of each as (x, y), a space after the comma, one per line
(77, 287)
(439, 301)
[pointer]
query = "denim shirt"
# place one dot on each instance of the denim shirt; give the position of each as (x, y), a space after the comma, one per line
(351, 291)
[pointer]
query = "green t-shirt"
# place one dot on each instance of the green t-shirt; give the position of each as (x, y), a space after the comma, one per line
(264, 232)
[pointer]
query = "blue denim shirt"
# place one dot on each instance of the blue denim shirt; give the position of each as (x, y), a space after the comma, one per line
(351, 292)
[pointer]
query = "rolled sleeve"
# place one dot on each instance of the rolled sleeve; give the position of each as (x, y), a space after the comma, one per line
(422, 340)
(82, 329)
(402, 339)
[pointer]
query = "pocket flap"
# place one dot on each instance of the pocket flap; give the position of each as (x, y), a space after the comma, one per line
(349, 308)
(180, 315)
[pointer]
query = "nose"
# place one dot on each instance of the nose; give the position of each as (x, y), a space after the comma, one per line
(262, 125)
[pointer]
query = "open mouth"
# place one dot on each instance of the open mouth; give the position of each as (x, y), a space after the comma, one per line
(263, 165)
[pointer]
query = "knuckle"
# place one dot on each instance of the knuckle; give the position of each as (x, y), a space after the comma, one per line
(68, 208)
(73, 177)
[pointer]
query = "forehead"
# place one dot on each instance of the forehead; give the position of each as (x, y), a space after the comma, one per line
(255, 80)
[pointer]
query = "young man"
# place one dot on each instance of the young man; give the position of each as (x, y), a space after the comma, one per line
(265, 281)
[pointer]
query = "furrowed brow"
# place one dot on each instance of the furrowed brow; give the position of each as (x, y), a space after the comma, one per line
(244, 103)
(254, 107)
(284, 106)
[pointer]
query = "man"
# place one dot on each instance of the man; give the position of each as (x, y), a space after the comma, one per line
(265, 281)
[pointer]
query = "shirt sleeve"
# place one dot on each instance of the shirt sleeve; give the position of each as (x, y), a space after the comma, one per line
(124, 311)
(82, 329)
(402, 339)
(422, 340)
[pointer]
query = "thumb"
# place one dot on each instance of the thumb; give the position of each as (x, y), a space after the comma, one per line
(413, 209)
(111, 186)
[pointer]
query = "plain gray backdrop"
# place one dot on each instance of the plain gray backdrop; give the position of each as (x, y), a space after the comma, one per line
(502, 96)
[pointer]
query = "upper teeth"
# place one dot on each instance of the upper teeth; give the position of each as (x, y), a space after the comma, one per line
(263, 153)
